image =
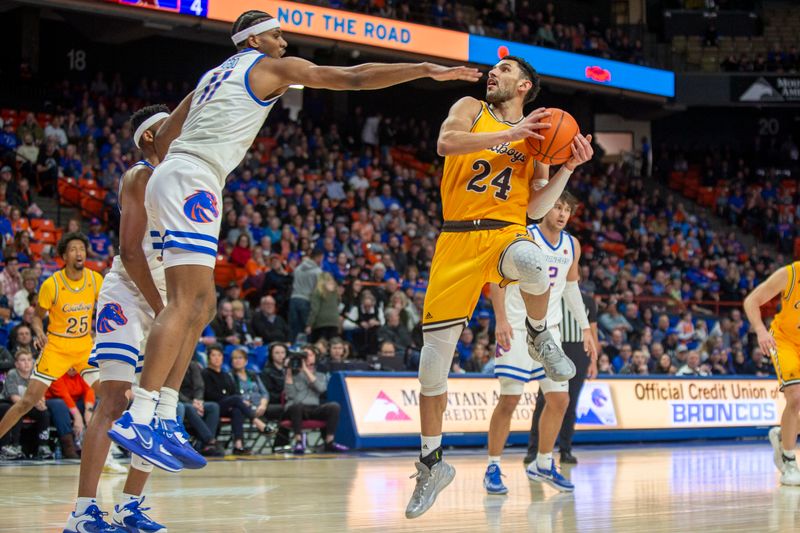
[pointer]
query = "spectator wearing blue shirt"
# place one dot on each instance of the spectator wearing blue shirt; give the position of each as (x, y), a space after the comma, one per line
(387, 198)
(464, 346)
(99, 243)
(70, 162)
(8, 139)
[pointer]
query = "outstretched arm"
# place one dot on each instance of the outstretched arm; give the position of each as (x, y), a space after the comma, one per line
(456, 138)
(761, 295)
(132, 229)
(272, 76)
(543, 199)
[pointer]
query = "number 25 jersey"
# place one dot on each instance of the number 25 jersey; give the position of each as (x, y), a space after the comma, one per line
(70, 304)
(492, 183)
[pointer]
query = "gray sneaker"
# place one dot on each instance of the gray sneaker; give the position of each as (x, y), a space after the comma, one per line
(544, 350)
(11, 453)
(430, 482)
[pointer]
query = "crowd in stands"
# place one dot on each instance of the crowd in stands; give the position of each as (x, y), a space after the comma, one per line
(326, 244)
(779, 60)
(524, 21)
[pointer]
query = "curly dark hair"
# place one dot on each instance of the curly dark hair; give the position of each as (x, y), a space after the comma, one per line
(529, 73)
(69, 237)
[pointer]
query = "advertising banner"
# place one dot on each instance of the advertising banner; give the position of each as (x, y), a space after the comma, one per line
(765, 89)
(390, 406)
(339, 25)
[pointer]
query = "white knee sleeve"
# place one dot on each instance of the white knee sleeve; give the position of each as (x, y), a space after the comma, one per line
(511, 387)
(140, 464)
(436, 358)
(524, 261)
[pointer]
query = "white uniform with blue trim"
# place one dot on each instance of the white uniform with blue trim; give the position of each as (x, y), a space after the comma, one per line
(183, 195)
(124, 317)
(516, 363)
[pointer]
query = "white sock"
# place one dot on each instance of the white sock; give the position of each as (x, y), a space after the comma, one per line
(789, 454)
(494, 460)
(81, 504)
(544, 460)
(144, 405)
(167, 404)
(128, 498)
(538, 325)
(429, 444)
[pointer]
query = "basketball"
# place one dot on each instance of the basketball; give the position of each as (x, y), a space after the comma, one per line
(555, 148)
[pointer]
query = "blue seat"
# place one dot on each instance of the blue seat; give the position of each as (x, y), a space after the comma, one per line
(258, 357)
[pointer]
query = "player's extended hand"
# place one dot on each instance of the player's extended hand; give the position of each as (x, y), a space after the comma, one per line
(39, 341)
(766, 341)
(582, 151)
(529, 126)
(503, 333)
(442, 73)
(591, 370)
(588, 344)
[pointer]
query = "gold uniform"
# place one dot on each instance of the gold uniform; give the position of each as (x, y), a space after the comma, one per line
(786, 330)
(69, 343)
(490, 185)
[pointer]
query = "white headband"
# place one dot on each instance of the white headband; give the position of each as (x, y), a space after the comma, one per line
(146, 125)
(261, 27)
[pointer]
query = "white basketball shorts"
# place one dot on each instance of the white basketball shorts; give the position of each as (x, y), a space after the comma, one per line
(184, 201)
(124, 319)
(517, 364)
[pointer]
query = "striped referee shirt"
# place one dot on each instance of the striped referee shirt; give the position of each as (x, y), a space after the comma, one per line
(570, 330)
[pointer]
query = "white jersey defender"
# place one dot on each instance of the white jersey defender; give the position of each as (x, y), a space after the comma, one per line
(124, 317)
(516, 364)
(183, 195)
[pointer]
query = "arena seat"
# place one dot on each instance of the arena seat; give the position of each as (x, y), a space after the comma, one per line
(44, 224)
(68, 191)
(97, 266)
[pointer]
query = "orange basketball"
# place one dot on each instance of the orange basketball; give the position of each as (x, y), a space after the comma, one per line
(555, 149)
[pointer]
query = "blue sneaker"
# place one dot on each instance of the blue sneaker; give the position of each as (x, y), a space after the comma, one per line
(131, 518)
(492, 480)
(90, 521)
(144, 441)
(176, 441)
(550, 476)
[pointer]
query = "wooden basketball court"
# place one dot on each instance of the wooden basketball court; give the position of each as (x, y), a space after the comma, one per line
(681, 488)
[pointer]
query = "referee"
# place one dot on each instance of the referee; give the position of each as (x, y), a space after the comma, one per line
(573, 343)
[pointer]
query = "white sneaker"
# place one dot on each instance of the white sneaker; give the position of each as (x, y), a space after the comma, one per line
(111, 466)
(777, 450)
(791, 474)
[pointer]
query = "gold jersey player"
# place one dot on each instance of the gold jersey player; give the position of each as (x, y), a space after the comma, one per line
(782, 342)
(68, 298)
(487, 189)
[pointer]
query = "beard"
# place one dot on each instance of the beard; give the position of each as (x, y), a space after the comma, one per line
(498, 96)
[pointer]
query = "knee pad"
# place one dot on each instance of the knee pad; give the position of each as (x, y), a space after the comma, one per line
(140, 464)
(511, 387)
(436, 358)
(524, 261)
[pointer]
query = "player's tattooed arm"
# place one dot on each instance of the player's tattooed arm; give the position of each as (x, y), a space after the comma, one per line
(172, 127)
